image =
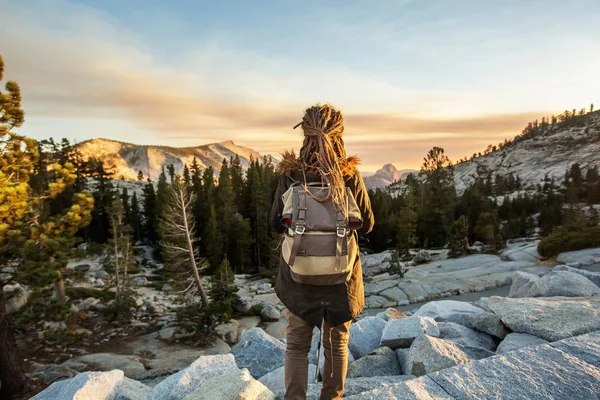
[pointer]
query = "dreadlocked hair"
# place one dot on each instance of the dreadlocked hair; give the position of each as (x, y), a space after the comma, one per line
(323, 150)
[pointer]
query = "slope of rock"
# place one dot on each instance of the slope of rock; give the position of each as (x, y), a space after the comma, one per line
(129, 159)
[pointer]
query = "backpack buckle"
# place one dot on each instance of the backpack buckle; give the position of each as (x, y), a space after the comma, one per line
(300, 229)
(341, 231)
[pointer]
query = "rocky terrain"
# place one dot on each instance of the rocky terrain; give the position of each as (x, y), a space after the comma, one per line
(532, 159)
(385, 176)
(129, 159)
(540, 342)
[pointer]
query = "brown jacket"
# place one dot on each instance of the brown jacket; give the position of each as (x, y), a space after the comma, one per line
(339, 303)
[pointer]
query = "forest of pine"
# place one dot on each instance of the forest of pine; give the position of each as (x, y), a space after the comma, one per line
(207, 222)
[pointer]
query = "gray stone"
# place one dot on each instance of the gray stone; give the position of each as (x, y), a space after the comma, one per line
(86, 304)
(101, 274)
(402, 332)
(228, 332)
(553, 318)
(365, 336)
(235, 385)
(522, 282)
(88, 385)
(241, 305)
(48, 374)
(540, 372)
(377, 287)
(82, 267)
(464, 314)
(129, 389)
(355, 386)
(131, 365)
(99, 283)
(483, 304)
(422, 257)
(139, 281)
(526, 253)
(179, 385)
(394, 294)
(381, 362)
(166, 333)
(274, 380)
(582, 257)
(467, 337)
(563, 283)
(414, 291)
(376, 301)
(592, 276)
(585, 347)
(514, 341)
(415, 389)
(166, 287)
(428, 354)
(270, 313)
(259, 352)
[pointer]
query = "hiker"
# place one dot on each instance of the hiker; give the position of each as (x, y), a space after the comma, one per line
(321, 204)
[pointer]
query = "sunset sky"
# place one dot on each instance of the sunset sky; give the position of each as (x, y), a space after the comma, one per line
(408, 74)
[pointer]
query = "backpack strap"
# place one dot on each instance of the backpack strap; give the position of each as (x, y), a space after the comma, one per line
(300, 225)
(341, 236)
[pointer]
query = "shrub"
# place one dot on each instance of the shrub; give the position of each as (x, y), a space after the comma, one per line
(255, 310)
(94, 249)
(569, 239)
(80, 293)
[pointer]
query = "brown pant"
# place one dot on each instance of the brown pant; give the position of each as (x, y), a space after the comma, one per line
(299, 337)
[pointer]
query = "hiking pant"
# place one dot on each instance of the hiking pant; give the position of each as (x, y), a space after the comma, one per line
(299, 338)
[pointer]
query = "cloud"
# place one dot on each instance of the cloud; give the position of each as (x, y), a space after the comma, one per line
(76, 63)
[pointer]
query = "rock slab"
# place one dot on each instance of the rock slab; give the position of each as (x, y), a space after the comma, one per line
(415, 389)
(585, 347)
(541, 372)
(514, 341)
(553, 318)
(365, 336)
(259, 352)
(381, 362)
(238, 385)
(85, 386)
(402, 332)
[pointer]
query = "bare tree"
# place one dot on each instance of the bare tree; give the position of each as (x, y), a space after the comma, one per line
(120, 244)
(178, 231)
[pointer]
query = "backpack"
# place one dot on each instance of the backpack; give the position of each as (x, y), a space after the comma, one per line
(319, 245)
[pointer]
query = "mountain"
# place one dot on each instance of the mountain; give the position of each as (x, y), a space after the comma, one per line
(549, 151)
(385, 176)
(129, 159)
(542, 151)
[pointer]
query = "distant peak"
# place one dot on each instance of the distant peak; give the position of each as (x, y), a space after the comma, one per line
(390, 167)
(228, 142)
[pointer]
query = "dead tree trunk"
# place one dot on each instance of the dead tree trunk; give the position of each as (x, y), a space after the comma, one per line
(12, 378)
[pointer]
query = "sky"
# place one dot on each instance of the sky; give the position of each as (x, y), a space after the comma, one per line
(407, 74)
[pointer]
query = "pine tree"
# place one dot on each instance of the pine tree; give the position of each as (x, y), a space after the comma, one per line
(406, 226)
(24, 229)
(459, 238)
(226, 209)
(150, 213)
(211, 240)
(237, 180)
(136, 218)
(487, 229)
(438, 197)
(222, 286)
(171, 171)
(98, 229)
(187, 180)
(179, 244)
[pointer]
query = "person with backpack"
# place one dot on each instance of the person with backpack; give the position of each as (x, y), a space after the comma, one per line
(320, 206)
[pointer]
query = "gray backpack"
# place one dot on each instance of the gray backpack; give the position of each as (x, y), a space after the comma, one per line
(319, 246)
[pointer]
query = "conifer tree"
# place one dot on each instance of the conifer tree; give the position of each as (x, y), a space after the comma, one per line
(24, 229)
(222, 286)
(212, 245)
(187, 180)
(407, 226)
(179, 243)
(237, 181)
(171, 171)
(150, 213)
(135, 218)
(459, 238)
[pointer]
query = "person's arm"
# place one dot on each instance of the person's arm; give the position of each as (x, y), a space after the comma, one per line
(364, 204)
(277, 207)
